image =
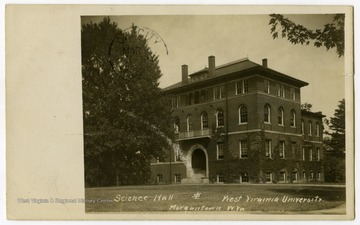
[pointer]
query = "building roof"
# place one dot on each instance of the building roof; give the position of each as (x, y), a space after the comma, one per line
(238, 67)
(315, 114)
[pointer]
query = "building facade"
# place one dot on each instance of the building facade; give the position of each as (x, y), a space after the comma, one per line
(241, 123)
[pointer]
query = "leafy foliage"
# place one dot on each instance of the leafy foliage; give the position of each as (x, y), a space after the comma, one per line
(306, 106)
(126, 117)
(335, 146)
(331, 36)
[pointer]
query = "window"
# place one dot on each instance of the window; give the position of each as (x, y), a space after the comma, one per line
(310, 128)
(220, 178)
(197, 97)
(292, 118)
(282, 91)
(302, 127)
(282, 149)
(176, 125)
(220, 118)
(267, 113)
(177, 178)
(268, 177)
(268, 148)
(220, 151)
(317, 130)
(159, 178)
(303, 154)
(203, 94)
(311, 175)
(204, 121)
(189, 123)
(175, 101)
(295, 176)
(242, 87)
(189, 99)
(318, 176)
(318, 154)
(242, 114)
(281, 116)
(304, 175)
(219, 92)
(292, 94)
(282, 177)
(244, 178)
(310, 154)
(278, 90)
(267, 86)
(243, 149)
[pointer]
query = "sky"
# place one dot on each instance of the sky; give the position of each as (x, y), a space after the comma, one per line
(191, 39)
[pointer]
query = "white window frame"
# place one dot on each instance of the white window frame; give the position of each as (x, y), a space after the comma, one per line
(241, 142)
(303, 154)
(292, 93)
(318, 176)
(310, 128)
(282, 149)
(240, 122)
(296, 176)
(281, 110)
(311, 175)
(310, 154)
(302, 127)
(293, 118)
(218, 151)
(282, 91)
(158, 177)
(268, 151)
(189, 123)
(317, 129)
(283, 176)
(267, 86)
(217, 118)
(270, 176)
(318, 154)
(218, 178)
(244, 87)
(304, 175)
(202, 120)
(267, 107)
(242, 176)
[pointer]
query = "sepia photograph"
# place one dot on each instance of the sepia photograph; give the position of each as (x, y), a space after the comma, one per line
(180, 112)
(219, 113)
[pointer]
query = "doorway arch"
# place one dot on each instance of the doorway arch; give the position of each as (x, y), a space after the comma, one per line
(198, 158)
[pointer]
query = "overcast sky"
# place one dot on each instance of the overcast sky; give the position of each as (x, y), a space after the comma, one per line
(191, 39)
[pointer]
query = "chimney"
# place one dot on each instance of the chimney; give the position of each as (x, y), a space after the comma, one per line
(211, 66)
(184, 74)
(264, 63)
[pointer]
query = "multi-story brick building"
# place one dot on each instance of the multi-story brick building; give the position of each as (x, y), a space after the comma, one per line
(241, 123)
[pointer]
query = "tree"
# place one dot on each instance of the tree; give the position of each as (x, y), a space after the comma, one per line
(331, 36)
(335, 146)
(126, 117)
(306, 106)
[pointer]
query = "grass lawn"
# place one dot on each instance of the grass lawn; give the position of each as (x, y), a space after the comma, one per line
(275, 199)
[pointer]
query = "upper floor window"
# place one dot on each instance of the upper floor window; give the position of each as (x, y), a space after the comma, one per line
(204, 121)
(310, 154)
(267, 113)
(282, 91)
(317, 130)
(242, 87)
(318, 154)
(177, 155)
(189, 123)
(177, 125)
(203, 96)
(280, 116)
(189, 99)
(219, 92)
(292, 118)
(243, 149)
(267, 86)
(282, 149)
(220, 118)
(242, 114)
(303, 153)
(175, 101)
(220, 151)
(302, 127)
(310, 128)
(292, 94)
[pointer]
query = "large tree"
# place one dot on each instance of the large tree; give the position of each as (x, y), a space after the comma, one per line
(331, 36)
(126, 117)
(335, 146)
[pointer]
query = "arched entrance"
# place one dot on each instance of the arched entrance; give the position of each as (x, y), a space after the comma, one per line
(198, 168)
(198, 161)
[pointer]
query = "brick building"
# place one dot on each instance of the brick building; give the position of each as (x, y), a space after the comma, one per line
(241, 123)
